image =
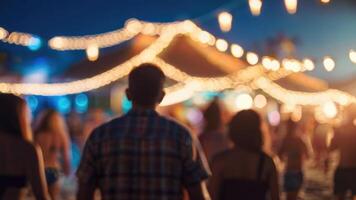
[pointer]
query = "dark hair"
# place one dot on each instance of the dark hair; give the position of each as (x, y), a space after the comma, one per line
(145, 84)
(212, 116)
(291, 127)
(43, 121)
(245, 130)
(10, 114)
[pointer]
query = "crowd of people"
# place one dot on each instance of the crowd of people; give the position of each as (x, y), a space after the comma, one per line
(145, 155)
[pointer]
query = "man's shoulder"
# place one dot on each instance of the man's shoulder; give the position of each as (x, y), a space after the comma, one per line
(106, 128)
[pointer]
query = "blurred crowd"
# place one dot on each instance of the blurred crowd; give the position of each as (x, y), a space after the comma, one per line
(241, 151)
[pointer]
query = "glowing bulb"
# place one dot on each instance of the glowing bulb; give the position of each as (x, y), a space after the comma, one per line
(56, 42)
(243, 101)
(291, 6)
(255, 7)
(308, 64)
(204, 37)
(352, 55)
(225, 20)
(260, 101)
(92, 52)
(266, 62)
(3, 33)
(329, 109)
(237, 50)
(221, 45)
(325, 1)
(329, 63)
(292, 65)
(133, 25)
(252, 58)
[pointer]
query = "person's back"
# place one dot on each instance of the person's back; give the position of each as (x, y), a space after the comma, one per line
(345, 174)
(293, 151)
(51, 136)
(243, 174)
(213, 139)
(141, 155)
(21, 162)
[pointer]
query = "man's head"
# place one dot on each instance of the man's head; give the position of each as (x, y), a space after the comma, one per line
(146, 85)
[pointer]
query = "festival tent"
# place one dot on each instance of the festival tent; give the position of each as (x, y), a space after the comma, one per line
(189, 56)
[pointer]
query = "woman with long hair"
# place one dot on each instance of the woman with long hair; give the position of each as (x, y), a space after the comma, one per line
(51, 135)
(21, 161)
(245, 171)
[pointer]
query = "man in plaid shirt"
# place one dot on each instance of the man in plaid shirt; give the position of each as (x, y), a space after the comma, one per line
(142, 155)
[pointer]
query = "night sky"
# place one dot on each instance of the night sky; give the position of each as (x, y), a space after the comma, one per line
(319, 29)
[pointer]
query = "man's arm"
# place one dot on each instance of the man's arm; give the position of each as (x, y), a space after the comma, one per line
(86, 173)
(195, 170)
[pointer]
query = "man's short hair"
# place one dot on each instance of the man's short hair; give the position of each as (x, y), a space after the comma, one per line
(145, 84)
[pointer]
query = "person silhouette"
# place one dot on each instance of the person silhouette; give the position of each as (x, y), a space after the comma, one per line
(21, 160)
(142, 155)
(245, 171)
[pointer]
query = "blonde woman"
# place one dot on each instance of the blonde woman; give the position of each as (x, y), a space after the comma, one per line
(51, 135)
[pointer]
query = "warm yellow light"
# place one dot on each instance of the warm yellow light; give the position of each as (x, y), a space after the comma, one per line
(204, 37)
(296, 114)
(352, 56)
(255, 7)
(291, 6)
(329, 109)
(56, 43)
(149, 29)
(92, 52)
(308, 64)
(237, 50)
(221, 45)
(3, 33)
(292, 65)
(133, 25)
(225, 21)
(325, 1)
(329, 63)
(243, 101)
(266, 62)
(260, 101)
(252, 58)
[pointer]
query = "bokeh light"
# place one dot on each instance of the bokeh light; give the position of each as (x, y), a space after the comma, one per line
(221, 45)
(255, 7)
(243, 101)
(252, 58)
(260, 101)
(329, 63)
(237, 51)
(225, 21)
(329, 109)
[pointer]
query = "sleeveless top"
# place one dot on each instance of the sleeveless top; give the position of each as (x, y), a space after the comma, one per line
(244, 189)
(7, 181)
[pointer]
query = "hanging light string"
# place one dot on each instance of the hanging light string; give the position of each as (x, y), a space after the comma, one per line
(303, 98)
(150, 54)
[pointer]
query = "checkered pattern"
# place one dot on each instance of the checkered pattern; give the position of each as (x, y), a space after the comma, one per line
(141, 155)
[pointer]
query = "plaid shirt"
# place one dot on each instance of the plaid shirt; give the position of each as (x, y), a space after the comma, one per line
(141, 155)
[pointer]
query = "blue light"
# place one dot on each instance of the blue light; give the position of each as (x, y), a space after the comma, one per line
(126, 104)
(35, 44)
(81, 103)
(63, 104)
(32, 102)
